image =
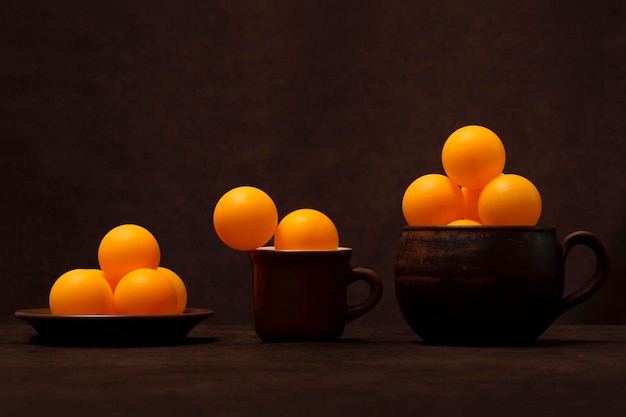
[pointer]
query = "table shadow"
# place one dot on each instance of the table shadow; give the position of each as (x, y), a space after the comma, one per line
(541, 343)
(187, 341)
(363, 340)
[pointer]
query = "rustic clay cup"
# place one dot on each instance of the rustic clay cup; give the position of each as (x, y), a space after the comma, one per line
(301, 295)
(488, 285)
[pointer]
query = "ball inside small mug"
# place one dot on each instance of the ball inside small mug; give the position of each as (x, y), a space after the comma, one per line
(488, 285)
(300, 295)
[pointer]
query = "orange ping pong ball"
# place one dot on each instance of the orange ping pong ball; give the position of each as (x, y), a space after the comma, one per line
(509, 200)
(464, 222)
(245, 218)
(125, 248)
(145, 291)
(472, 156)
(81, 291)
(470, 208)
(432, 200)
(306, 229)
(179, 286)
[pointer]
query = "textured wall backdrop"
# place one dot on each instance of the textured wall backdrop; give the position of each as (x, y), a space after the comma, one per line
(148, 111)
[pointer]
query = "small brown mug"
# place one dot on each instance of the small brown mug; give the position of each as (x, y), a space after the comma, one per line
(300, 295)
(488, 285)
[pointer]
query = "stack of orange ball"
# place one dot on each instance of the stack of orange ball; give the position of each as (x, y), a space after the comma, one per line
(474, 191)
(246, 218)
(129, 281)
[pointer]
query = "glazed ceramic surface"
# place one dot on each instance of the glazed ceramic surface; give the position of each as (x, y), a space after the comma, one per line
(301, 295)
(487, 285)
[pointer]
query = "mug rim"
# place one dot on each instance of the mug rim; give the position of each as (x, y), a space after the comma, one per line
(547, 228)
(272, 249)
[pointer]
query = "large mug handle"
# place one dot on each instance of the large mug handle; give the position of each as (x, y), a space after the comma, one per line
(600, 274)
(376, 292)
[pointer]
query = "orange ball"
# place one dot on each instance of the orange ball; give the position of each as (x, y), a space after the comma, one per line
(432, 200)
(472, 156)
(145, 291)
(470, 207)
(81, 291)
(464, 222)
(125, 248)
(509, 200)
(306, 229)
(245, 218)
(179, 286)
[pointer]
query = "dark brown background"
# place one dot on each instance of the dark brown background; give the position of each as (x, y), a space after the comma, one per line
(147, 112)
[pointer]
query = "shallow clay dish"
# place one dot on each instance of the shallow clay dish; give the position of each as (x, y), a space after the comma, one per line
(116, 330)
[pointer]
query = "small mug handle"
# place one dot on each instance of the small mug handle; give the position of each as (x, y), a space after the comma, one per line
(376, 292)
(600, 274)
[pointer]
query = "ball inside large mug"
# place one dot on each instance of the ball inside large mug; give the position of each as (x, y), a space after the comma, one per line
(488, 285)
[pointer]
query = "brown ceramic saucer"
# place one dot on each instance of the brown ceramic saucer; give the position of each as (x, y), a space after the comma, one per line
(112, 330)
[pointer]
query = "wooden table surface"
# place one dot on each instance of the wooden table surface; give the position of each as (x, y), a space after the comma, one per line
(373, 371)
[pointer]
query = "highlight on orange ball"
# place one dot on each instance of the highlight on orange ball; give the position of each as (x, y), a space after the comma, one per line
(510, 200)
(472, 156)
(245, 218)
(145, 291)
(81, 292)
(306, 229)
(125, 248)
(432, 200)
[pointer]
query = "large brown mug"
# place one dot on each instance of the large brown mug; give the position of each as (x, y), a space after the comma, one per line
(301, 295)
(488, 285)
